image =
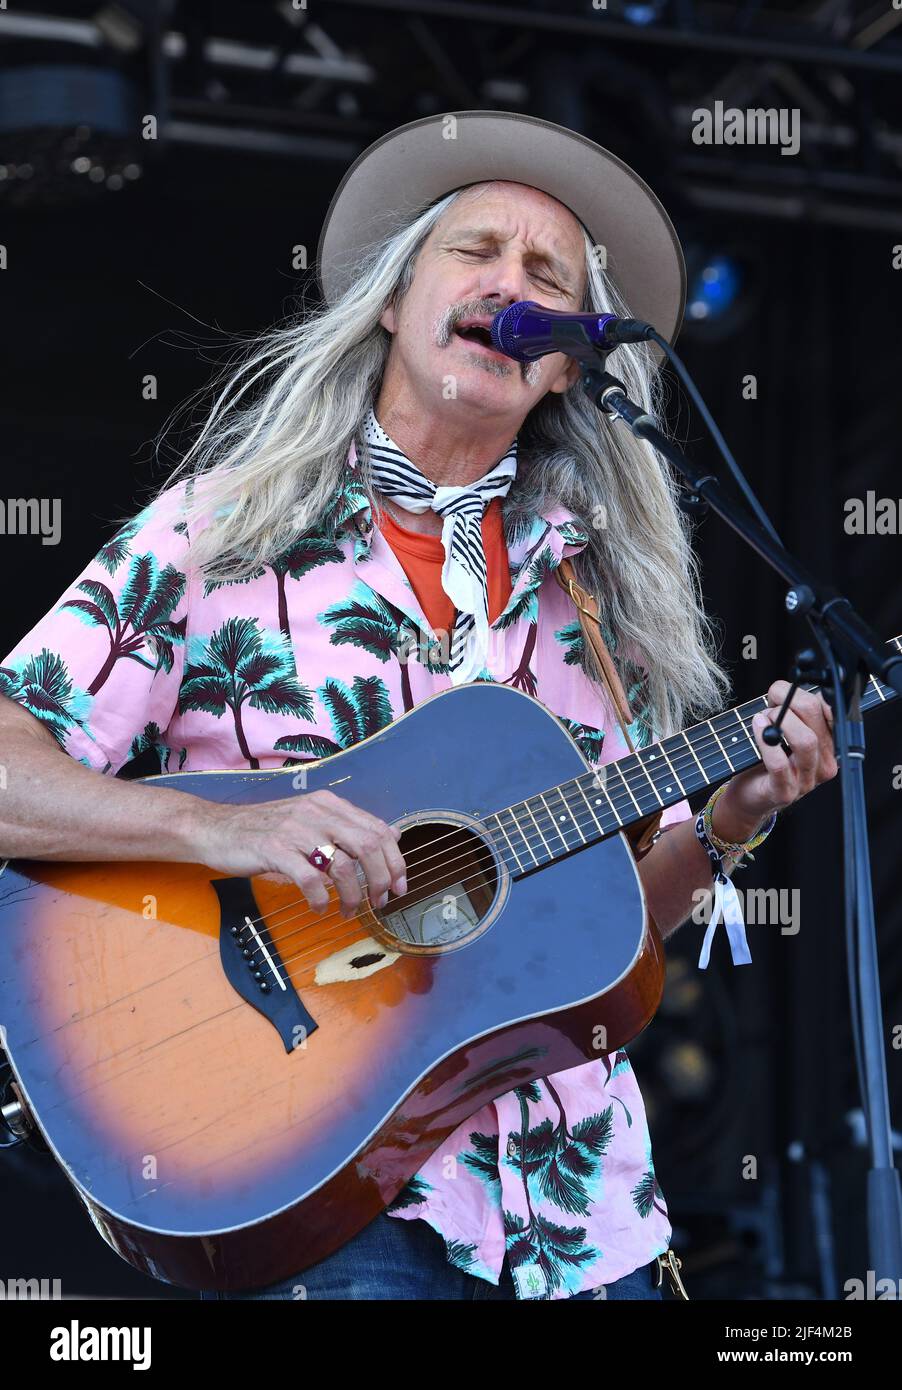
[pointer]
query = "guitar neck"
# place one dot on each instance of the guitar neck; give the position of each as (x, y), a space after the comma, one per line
(617, 795)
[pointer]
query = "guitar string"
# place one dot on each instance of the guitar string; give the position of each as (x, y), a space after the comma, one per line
(616, 798)
(336, 916)
(642, 781)
(215, 951)
(551, 825)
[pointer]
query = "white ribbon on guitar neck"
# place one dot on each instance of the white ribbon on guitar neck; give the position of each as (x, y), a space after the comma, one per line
(726, 903)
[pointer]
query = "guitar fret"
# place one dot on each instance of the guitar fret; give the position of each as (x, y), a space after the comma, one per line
(570, 816)
(592, 812)
(726, 756)
(676, 777)
(688, 744)
(750, 748)
(715, 763)
(720, 761)
(500, 824)
(608, 769)
(560, 832)
(648, 777)
(659, 772)
(523, 848)
(615, 797)
(622, 776)
(539, 828)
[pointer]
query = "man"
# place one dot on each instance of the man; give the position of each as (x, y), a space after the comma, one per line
(383, 520)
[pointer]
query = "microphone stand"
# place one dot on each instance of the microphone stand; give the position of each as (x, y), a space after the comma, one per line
(851, 651)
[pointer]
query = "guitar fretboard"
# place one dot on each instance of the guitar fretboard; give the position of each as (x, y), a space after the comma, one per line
(567, 817)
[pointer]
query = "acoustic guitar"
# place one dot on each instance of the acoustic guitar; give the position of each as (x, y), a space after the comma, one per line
(235, 1085)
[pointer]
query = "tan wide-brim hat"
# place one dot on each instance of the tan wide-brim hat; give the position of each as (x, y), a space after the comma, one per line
(411, 167)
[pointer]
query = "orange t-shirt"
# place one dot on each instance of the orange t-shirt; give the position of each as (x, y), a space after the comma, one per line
(422, 558)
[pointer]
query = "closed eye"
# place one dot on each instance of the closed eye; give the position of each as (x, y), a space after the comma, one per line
(484, 255)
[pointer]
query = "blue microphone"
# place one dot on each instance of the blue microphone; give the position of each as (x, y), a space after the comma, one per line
(526, 330)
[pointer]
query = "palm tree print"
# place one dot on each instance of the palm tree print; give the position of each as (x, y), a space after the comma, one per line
(460, 1254)
(355, 712)
(560, 1161)
(590, 740)
(527, 606)
(548, 1245)
(483, 1159)
(411, 1195)
(140, 617)
(572, 638)
(151, 738)
(44, 687)
(619, 1062)
(114, 552)
(635, 679)
(303, 555)
(372, 623)
(644, 1194)
(240, 665)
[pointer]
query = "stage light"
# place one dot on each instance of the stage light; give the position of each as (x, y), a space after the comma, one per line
(642, 14)
(715, 289)
(724, 286)
(68, 131)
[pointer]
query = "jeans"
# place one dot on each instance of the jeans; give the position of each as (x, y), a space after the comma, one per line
(394, 1259)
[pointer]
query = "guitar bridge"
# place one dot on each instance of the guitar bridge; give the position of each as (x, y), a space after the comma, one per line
(253, 965)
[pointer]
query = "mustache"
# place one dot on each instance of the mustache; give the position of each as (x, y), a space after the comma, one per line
(447, 321)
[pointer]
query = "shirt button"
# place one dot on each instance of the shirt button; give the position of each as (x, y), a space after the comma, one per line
(511, 1148)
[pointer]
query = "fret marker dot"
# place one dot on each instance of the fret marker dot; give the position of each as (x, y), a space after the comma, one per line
(733, 739)
(598, 801)
(668, 789)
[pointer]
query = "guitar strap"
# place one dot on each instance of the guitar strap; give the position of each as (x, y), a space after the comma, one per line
(641, 834)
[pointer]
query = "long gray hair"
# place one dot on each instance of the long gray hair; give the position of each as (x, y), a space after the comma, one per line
(272, 453)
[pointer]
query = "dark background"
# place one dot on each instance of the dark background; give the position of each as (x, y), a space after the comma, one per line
(106, 286)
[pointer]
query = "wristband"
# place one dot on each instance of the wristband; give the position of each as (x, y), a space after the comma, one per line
(726, 901)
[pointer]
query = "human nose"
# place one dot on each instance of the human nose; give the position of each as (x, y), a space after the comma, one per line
(504, 279)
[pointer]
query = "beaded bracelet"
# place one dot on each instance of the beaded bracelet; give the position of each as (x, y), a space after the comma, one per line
(728, 846)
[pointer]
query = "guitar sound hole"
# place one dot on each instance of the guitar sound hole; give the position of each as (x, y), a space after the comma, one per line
(452, 883)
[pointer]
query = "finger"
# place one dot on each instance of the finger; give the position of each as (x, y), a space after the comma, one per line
(312, 882)
(777, 692)
(824, 762)
(352, 822)
(386, 836)
(806, 747)
(366, 847)
(780, 768)
(343, 872)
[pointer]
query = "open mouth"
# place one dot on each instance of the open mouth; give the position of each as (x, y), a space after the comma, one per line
(475, 333)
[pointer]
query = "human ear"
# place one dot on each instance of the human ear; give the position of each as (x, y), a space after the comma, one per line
(566, 376)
